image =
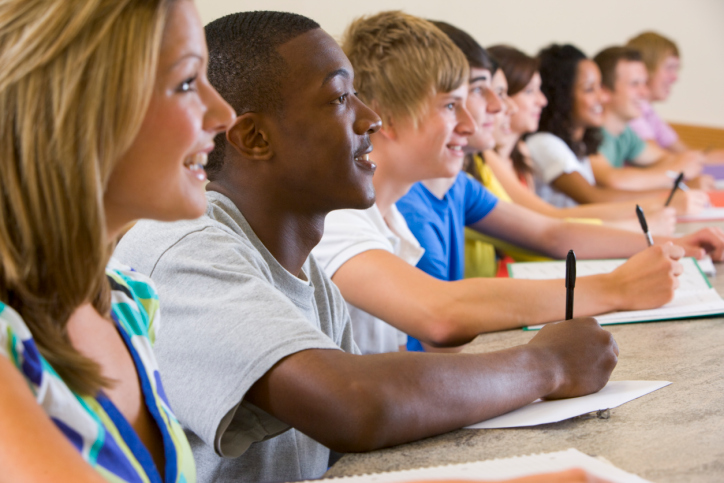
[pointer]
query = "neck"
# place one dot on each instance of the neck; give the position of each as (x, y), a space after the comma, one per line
(388, 191)
(613, 123)
(506, 146)
(439, 186)
(286, 231)
(578, 133)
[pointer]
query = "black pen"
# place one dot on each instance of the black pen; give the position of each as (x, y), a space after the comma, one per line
(644, 225)
(570, 282)
(678, 181)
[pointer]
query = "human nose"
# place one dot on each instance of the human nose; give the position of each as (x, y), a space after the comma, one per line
(465, 123)
(219, 114)
(493, 103)
(542, 99)
(366, 121)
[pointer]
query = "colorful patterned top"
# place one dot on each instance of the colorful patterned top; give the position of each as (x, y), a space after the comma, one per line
(105, 439)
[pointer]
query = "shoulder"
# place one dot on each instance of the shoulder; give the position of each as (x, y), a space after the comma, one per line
(144, 244)
(134, 300)
(417, 203)
(18, 346)
(548, 149)
(545, 141)
(348, 233)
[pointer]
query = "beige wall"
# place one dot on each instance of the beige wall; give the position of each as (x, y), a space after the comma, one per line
(696, 25)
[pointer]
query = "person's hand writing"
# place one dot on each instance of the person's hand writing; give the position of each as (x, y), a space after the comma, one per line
(648, 279)
(582, 355)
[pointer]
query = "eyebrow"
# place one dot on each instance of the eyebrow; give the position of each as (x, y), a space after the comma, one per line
(336, 73)
(479, 78)
(184, 57)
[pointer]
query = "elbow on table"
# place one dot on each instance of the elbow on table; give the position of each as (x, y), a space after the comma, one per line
(442, 329)
(367, 412)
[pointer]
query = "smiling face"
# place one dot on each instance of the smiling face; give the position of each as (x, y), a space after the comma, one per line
(588, 97)
(435, 147)
(663, 78)
(629, 90)
(321, 137)
(482, 103)
(530, 102)
(161, 176)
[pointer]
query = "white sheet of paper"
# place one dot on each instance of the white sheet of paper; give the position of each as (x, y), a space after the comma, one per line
(707, 266)
(693, 298)
(614, 394)
(707, 214)
(504, 468)
(691, 279)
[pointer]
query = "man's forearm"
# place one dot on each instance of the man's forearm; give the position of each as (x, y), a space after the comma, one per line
(360, 403)
(488, 305)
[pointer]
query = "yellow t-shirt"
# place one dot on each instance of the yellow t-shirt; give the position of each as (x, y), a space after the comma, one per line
(480, 260)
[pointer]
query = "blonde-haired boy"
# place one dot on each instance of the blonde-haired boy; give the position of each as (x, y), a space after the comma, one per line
(371, 254)
(399, 61)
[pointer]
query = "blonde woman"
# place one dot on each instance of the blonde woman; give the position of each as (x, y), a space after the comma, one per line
(107, 117)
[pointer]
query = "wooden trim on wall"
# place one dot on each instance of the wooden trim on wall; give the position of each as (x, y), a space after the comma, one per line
(700, 137)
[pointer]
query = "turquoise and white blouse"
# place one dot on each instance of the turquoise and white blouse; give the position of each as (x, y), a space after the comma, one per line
(94, 425)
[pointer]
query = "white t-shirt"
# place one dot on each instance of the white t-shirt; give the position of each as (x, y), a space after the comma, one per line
(347, 233)
(551, 158)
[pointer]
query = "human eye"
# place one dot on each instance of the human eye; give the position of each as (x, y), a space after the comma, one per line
(341, 99)
(188, 85)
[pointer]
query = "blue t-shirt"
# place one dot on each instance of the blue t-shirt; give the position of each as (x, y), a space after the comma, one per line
(438, 224)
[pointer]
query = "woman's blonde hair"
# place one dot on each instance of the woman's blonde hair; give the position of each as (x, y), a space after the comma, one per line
(399, 61)
(654, 48)
(76, 80)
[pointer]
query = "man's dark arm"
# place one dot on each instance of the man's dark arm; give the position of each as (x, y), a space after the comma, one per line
(359, 403)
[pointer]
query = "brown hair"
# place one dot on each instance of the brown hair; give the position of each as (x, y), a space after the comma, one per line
(519, 67)
(654, 48)
(72, 100)
(608, 59)
(400, 61)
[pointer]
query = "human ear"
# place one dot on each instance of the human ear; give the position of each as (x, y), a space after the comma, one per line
(388, 129)
(248, 137)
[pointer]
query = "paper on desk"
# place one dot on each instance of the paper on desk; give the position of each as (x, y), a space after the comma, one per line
(614, 394)
(515, 467)
(708, 214)
(707, 266)
(694, 298)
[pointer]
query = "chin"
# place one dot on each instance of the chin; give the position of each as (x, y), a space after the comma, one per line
(362, 202)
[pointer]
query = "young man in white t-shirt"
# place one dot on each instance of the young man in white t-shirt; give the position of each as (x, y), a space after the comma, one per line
(419, 89)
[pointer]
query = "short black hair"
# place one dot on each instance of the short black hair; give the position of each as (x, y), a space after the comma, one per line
(476, 55)
(558, 71)
(245, 66)
(608, 60)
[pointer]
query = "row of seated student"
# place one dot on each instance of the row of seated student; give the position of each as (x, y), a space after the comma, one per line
(112, 111)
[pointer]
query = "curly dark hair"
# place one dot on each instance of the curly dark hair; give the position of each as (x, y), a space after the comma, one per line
(558, 70)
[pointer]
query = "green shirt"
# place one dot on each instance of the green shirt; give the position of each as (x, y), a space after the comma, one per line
(625, 147)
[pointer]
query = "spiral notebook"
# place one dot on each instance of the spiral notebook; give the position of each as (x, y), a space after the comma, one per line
(497, 469)
(695, 297)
